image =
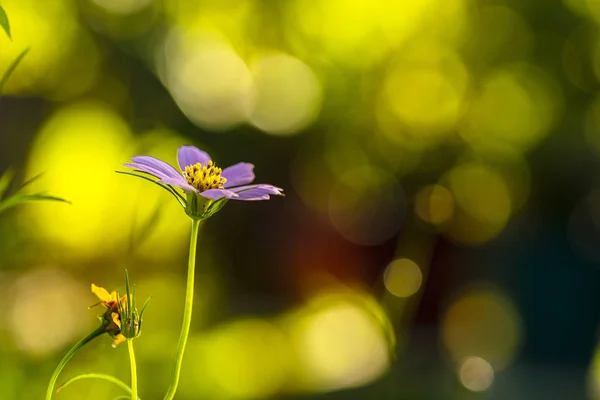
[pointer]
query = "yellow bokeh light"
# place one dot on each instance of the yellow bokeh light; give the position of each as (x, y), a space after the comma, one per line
(484, 203)
(514, 111)
(341, 342)
(434, 204)
(426, 90)
(209, 81)
(78, 151)
(476, 374)
(123, 7)
(62, 61)
(359, 32)
(287, 95)
(403, 277)
(47, 310)
(227, 19)
(481, 191)
(484, 323)
(246, 359)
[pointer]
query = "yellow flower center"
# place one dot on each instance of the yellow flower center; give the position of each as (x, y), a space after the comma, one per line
(204, 177)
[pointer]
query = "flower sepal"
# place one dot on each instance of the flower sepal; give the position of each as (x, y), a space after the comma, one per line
(197, 206)
(215, 207)
(129, 316)
(201, 208)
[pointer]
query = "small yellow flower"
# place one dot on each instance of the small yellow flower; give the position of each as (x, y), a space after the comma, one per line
(121, 320)
(111, 318)
(119, 338)
(108, 300)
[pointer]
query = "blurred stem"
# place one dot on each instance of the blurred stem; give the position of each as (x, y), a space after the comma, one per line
(105, 377)
(68, 357)
(187, 312)
(134, 389)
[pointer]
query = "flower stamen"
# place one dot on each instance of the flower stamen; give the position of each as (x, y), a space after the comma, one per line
(204, 177)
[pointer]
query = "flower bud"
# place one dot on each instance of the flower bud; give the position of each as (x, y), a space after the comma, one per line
(121, 320)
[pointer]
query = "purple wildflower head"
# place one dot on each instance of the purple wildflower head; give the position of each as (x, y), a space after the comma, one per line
(207, 187)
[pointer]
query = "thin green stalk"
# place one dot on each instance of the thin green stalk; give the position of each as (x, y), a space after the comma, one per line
(68, 357)
(187, 312)
(105, 377)
(134, 389)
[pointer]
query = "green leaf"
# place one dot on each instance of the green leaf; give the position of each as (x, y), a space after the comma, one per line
(11, 69)
(4, 22)
(15, 200)
(30, 181)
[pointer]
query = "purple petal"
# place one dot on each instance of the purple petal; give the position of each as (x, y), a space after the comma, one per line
(156, 173)
(238, 174)
(256, 192)
(190, 155)
(157, 165)
(180, 183)
(216, 194)
(267, 188)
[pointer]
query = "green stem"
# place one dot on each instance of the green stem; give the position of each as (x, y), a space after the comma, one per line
(68, 357)
(105, 377)
(134, 389)
(187, 312)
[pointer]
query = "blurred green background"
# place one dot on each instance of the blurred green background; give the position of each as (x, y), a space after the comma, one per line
(440, 238)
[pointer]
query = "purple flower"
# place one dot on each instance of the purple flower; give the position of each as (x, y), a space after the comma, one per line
(199, 176)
